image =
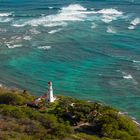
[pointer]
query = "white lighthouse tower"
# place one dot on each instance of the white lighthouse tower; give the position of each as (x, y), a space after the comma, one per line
(50, 97)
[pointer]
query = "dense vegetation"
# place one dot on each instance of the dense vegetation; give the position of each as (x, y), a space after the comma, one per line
(65, 119)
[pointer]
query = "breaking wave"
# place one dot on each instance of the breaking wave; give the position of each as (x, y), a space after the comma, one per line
(4, 17)
(74, 7)
(54, 31)
(18, 25)
(110, 29)
(5, 14)
(136, 61)
(109, 15)
(50, 7)
(129, 76)
(131, 27)
(134, 23)
(14, 42)
(110, 11)
(14, 46)
(73, 12)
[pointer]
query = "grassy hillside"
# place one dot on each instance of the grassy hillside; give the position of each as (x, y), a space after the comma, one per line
(65, 119)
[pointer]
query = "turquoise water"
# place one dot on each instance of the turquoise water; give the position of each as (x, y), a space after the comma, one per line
(90, 49)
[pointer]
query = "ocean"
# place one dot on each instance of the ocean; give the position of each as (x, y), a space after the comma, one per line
(89, 49)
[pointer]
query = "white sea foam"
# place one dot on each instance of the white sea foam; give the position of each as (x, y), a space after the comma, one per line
(109, 15)
(3, 19)
(74, 7)
(110, 29)
(93, 25)
(14, 46)
(133, 118)
(71, 13)
(135, 22)
(110, 11)
(126, 75)
(136, 61)
(18, 25)
(108, 18)
(5, 14)
(131, 27)
(54, 24)
(14, 42)
(129, 76)
(50, 7)
(74, 12)
(137, 123)
(54, 31)
(122, 113)
(34, 31)
(27, 38)
(45, 47)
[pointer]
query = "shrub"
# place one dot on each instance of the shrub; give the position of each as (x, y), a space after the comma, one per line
(61, 130)
(123, 135)
(10, 98)
(126, 124)
(82, 136)
(12, 111)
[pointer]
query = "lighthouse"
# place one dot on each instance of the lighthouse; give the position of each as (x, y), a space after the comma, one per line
(50, 97)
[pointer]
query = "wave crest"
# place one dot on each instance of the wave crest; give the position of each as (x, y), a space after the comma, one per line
(71, 13)
(44, 47)
(5, 14)
(14, 46)
(74, 7)
(109, 15)
(4, 17)
(110, 11)
(134, 23)
(110, 29)
(129, 76)
(54, 31)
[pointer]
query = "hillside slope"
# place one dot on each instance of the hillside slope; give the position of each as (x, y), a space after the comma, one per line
(65, 119)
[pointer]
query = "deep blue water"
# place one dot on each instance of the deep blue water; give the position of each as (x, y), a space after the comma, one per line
(90, 49)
